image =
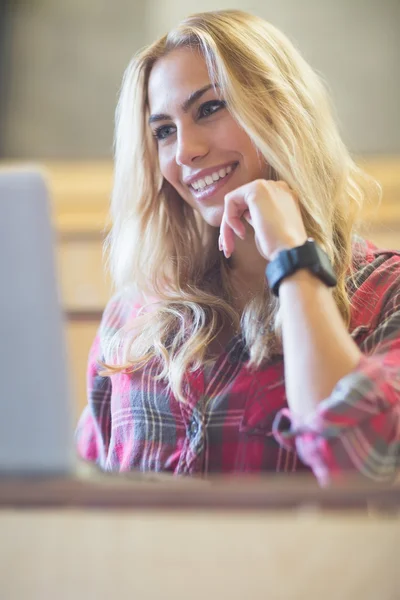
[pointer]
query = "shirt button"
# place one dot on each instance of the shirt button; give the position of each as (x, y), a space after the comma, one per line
(194, 428)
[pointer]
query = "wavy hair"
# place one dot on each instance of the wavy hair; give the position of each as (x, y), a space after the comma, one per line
(160, 248)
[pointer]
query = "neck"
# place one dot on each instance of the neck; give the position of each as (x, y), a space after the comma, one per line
(248, 269)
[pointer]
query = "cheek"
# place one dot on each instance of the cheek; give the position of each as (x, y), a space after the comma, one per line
(168, 166)
(165, 167)
(230, 135)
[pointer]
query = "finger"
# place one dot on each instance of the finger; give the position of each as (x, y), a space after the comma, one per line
(235, 209)
(227, 238)
(235, 224)
(239, 228)
(247, 217)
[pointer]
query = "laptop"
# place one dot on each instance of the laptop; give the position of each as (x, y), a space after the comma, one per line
(36, 425)
(37, 408)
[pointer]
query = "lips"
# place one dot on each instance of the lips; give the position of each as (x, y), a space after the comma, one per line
(207, 192)
(207, 172)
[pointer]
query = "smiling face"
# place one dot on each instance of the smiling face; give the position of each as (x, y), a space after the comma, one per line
(203, 152)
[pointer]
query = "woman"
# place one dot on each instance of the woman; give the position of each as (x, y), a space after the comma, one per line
(235, 343)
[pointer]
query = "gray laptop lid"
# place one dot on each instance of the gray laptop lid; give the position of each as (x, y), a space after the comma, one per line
(35, 410)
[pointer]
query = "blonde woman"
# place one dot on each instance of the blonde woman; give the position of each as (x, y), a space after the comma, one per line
(251, 331)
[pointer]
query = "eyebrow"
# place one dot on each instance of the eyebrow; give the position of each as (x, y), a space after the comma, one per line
(186, 105)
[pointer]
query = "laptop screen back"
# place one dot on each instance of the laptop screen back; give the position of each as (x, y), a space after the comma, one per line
(35, 409)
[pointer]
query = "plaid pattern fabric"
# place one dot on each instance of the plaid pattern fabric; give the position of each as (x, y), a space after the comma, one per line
(238, 421)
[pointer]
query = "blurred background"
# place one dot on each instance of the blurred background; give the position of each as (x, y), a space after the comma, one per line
(61, 65)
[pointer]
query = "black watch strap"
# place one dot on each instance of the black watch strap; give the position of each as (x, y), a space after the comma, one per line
(308, 256)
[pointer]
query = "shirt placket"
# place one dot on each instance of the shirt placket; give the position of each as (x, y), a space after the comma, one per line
(192, 455)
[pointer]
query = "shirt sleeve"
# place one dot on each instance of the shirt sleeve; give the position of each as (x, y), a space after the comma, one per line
(93, 431)
(357, 428)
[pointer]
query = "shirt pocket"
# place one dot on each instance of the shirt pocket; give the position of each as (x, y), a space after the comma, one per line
(265, 399)
(259, 451)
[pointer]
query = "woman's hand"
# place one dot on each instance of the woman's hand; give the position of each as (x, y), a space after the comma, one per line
(271, 208)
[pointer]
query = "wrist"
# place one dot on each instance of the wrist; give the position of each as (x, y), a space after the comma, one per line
(289, 245)
(302, 279)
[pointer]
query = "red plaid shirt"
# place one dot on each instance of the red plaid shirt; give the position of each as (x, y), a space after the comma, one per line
(235, 420)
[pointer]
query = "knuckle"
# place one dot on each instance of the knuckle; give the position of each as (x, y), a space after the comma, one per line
(261, 184)
(282, 184)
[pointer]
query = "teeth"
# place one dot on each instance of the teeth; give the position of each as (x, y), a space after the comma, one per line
(209, 179)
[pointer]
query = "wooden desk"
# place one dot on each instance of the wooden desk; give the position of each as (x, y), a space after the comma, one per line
(108, 537)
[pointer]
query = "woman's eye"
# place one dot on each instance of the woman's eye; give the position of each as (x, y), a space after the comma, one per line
(207, 109)
(161, 133)
(211, 107)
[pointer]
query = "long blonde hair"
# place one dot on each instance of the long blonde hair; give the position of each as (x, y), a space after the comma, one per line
(157, 245)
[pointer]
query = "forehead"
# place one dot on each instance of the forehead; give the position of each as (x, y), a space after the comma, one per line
(175, 76)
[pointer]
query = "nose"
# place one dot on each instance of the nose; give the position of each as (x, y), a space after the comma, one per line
(191, 145)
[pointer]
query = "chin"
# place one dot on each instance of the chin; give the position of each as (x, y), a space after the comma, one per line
(213, 216)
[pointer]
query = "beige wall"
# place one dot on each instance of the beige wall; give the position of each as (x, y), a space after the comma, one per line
(66, 64)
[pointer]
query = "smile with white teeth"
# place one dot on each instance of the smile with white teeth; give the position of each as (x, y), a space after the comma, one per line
(200, 184)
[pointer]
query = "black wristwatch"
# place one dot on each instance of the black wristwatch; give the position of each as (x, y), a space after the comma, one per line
(308, 256)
